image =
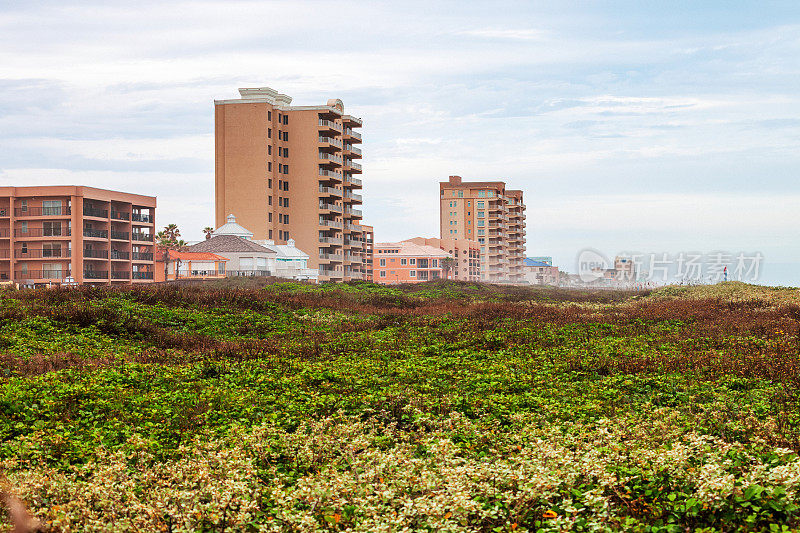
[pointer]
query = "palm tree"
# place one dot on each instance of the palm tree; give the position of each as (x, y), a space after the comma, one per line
(168, 239)
(208, 230)
(448, 264)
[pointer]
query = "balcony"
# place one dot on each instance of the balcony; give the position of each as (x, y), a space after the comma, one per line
(328, 175)
(330, 207)
(330, 224)
(42, 212)
(95, 274)
(354, 212)
(95, 233)
(5, 212)
(117, 254)
(142, 217)
(142, 275)
(120, 275)
(95, 254)
(354, 150)
(329, 191)
(141, 256)
(330, 257)
(42, 274)
(142, 237)
(353, 182)
(40, 253)
(330, 141)
(354, 121)
(41, 232)
(326, 158)
(329, 125)
(352, 196)
(354, 135)
(94, 212)
(330, 240)
(119, 215)
(119, 235)
(355, 167)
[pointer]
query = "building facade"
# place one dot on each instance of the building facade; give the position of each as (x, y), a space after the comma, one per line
(56, 235)
(467, 255)
(407, 262)
(540, 272)
(292, 172)
(174, 265)
(486, 212)
(369, 251)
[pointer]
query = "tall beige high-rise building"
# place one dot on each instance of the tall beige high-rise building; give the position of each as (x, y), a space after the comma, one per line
(290, 172)
(487, 212)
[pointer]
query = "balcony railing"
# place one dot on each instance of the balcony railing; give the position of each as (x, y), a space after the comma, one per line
(330, 191)
(354, 181)
(330, 140)
(353, 164)
(39, 253)
(141, 256)
(96, 254)
(142, 275)
(330, 173)
(42, 211)
(95, 274)
(142, 217)
(329, 240)
(330, 124)
(119, 235)
(142, 237)
(119, 215)
(331, 157)
(354, 212)
(41, 232)
(352, 196)
(120, 275)
(117, 254)
(330, 207)
(41, 274)
(354, 149)
(200, 273)
(97, 213)
(352, 133)
(331, 257)
(95, 233)
(330, 224)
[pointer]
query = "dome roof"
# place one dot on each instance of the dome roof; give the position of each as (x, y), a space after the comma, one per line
(232, 228)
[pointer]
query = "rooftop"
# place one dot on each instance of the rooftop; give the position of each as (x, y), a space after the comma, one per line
(229, 244)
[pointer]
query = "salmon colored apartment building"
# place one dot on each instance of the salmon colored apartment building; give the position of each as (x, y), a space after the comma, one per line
(291, 172)
(467, 255)
(406, 262)
(369, 242)
(487, 212)
(72, 234)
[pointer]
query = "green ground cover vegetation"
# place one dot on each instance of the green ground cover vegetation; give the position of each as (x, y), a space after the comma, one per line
(436, 407)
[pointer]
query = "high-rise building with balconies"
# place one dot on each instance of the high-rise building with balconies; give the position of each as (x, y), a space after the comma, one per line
(291, 172)
(487, 212)
(57, 235)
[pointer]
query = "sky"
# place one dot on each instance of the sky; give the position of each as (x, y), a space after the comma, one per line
(654, 127)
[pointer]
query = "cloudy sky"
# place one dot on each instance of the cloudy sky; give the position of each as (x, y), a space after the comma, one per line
(630, 127)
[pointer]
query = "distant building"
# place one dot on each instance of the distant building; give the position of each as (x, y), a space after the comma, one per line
(292, 262)
(292, 172)
(540, 272)
(66, 235)
(245, 257)
(188, 265)
(369, 250)
(407, 262)
(467, 255)
(494, 216)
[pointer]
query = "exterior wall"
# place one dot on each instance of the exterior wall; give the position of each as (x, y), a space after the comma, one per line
(235, 261)
(486, 212)
(72, 234)
(405, 267)
(260, 136)
(466, 252)
(541, 275)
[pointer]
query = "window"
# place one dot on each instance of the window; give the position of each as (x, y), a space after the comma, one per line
(269, 115)
(285, 185)
(403, 261)
(383, 262)
(481, 194)
(269, 149)
(24, 249)
(285, 169)
(286, 119)
(413, 273)
(270, 234)
(434, 262)
(285, 202)
(280, 184)
(269, 217)
(481, 214)
(481, 232)
(481, 222)
(285, 152)
(269, 200)
(269, 166)
(413, 260)
(461, 194)
(280, 218)
(480, 205)
(383, 274)
(491, 194)
(469, 203)
(51, 207)
(285, 219)
(454, 194)
(23, 206)
(269, 133)
(269, 182)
